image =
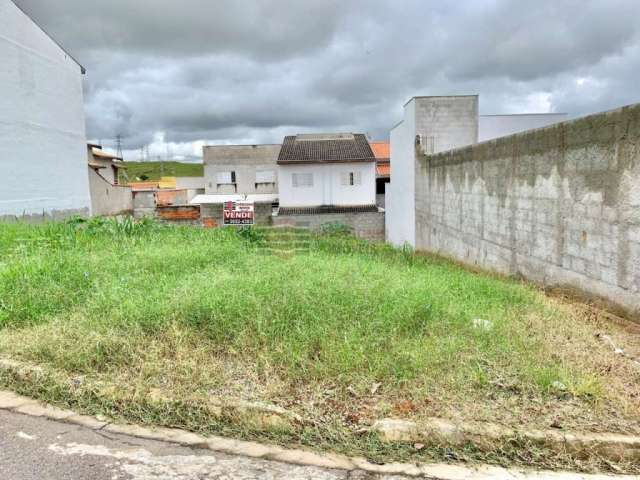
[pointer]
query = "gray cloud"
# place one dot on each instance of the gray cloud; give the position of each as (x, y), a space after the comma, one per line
(252, 71)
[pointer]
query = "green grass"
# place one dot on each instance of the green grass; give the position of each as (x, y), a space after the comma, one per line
(198, 312)
(154, 170)
(381, 317)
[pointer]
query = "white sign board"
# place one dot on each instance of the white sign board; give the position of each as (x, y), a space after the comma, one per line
(239, 213)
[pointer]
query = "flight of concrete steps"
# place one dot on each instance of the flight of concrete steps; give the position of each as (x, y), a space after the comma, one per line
(284, 241)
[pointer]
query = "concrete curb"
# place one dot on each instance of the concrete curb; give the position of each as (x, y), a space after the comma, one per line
(613, 447)
(12, 402)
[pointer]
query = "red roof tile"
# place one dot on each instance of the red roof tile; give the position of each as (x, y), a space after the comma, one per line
(138, 186)
(382, 150)
(383, 169)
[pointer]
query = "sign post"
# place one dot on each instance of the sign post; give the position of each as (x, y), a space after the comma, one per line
(240, 213)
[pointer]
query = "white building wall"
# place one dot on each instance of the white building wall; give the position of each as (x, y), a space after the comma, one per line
(43, 152)
(327, 188)
(496, 126)
(400, 193)
(440, 124)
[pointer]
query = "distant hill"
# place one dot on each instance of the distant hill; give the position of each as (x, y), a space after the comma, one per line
(155, 170)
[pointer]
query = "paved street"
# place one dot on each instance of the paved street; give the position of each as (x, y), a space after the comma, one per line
(37, 449)
(33, 448)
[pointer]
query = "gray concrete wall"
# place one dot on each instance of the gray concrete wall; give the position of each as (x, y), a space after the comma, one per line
(246, 161)
(108, 199)
(108, 172)
(144, 203)
(190, 183)
(446, 122)
(558, 205)
(368, 226)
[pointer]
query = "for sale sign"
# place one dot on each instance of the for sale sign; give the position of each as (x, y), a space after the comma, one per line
(239, 213)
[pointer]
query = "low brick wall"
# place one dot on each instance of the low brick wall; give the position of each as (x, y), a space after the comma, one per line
(179, 214)
(51, 216)
(368, 226)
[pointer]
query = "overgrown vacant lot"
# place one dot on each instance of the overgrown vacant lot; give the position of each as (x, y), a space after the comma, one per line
(121, 315)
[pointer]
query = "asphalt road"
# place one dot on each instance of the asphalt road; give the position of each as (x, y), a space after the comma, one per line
(38, 449)
(33, 448)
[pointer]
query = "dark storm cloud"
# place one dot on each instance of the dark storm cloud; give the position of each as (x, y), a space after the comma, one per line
(544, 39)
(252, 71)
(270, 28)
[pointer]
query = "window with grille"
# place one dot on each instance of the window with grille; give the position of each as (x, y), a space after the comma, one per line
(299, 180)
(351, 179)
(226, 178)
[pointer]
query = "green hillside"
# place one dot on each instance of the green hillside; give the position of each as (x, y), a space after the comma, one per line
(155, 170)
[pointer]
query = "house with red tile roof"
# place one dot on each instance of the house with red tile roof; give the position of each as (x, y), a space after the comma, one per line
(382, 152)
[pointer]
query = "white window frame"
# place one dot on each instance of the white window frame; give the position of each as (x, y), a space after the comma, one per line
(351, 179)
(302, 180)
(265, 176)
(226, 178)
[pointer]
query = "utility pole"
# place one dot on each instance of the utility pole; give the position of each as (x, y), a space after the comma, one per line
(119, 145)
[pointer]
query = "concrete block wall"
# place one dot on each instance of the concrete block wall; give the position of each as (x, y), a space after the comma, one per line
(144, 203)
(446, 122)
(368, 226)
(558, 205)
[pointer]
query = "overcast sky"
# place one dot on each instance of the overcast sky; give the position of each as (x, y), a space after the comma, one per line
(251, 71)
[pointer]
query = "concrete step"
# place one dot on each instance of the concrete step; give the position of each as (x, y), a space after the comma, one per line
(281, 252)
(288, 238)
(275, 230)
(286, 243)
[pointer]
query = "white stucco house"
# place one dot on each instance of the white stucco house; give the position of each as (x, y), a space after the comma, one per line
(326, 170)
(43, 150)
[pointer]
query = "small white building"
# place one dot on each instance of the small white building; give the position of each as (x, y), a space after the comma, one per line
(326, 170)
(43, 151)
(436, 124)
